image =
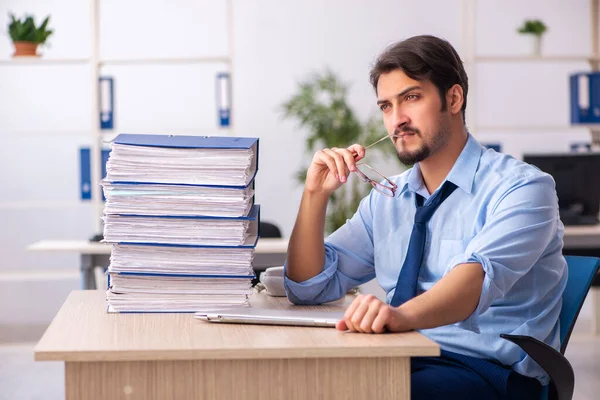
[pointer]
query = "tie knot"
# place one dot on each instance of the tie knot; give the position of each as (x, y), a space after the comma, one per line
(424, 213)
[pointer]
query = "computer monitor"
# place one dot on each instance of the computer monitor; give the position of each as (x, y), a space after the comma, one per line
(577, 184)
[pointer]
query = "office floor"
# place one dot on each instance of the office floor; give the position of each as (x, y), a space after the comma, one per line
(24, 379)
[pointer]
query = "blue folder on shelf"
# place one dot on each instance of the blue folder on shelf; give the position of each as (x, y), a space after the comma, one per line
(585, 97)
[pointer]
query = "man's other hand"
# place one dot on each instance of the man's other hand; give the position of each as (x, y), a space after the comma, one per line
(368, 314)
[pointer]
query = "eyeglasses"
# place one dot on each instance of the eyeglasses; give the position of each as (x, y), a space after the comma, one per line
(388, 188)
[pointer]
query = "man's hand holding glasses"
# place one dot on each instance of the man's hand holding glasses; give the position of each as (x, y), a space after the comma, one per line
(330, 169)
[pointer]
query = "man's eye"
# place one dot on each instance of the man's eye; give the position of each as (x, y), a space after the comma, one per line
(412, 97)
(384, 107)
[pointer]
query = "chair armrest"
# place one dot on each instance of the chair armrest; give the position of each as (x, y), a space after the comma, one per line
(562, 378)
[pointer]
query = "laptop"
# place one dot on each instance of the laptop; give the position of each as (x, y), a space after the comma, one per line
(273, 317)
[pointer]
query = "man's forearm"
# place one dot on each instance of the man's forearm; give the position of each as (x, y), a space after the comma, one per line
(452, 299)
(306, 250)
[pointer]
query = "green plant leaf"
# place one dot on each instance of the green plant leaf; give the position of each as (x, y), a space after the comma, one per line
(535, 27)
(24, 29)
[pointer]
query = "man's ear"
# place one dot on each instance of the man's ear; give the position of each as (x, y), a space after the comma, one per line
(455, 99)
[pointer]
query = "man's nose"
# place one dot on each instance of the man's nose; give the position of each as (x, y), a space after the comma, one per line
(400, 119)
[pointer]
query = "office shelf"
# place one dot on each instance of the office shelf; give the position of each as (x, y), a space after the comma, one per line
(32, 60)
(472, 59)
(535, 128)
(171, 61)
(526, 58)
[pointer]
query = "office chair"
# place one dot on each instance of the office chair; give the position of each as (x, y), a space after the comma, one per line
(267, 230)
(582, 271)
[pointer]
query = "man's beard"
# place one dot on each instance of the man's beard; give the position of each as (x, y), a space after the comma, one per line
(439, 140)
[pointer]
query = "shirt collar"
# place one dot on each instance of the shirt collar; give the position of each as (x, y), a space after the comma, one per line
(462, 173)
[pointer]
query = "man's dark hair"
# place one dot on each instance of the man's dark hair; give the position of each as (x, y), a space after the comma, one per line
(424, 58)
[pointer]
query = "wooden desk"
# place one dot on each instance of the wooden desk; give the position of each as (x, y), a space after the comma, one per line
(269, 252)
(174, 356)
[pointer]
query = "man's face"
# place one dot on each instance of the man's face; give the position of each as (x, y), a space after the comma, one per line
(413, 110)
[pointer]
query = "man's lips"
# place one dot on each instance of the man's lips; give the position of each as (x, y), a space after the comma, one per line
(403, 135)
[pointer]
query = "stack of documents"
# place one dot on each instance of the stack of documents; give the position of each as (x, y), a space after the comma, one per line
(193, 230)
(181, 217)
(204, 160)
(182, 200)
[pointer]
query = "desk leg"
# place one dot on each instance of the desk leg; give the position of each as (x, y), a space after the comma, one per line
(88, 280)
(297, 379)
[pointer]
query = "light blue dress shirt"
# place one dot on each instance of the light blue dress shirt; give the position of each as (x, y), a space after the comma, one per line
(503, 215)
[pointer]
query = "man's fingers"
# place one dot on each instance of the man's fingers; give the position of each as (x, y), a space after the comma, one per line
(342, 168)
(366, 324)
(357, 151)
(383, 318)
(351, 312)
(326, 159)
(341, 325)
(356, 319)
(348, 158)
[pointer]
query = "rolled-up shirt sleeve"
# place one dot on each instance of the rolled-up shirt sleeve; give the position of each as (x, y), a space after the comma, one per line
(348, 261)
(522, 224)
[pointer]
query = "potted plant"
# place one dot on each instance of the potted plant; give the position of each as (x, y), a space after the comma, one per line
(320, 105)
(26, 36)
(534, 28)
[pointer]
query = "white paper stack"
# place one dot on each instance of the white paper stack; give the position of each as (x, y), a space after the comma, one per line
(211, 166)
(175, 230)
(181, 217)
(186, 200)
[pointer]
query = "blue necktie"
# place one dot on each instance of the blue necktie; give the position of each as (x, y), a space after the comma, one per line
(406, 287)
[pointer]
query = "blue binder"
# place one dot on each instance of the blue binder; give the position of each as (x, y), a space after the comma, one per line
(142, 311)
(585, 97)
(194, 142)
(184, 141)
(85, 172)
(106, 89)
(224, 99)
(250, 276)
(253, 215)
(253, 231)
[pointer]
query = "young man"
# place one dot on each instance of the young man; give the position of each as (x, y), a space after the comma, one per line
(467, 244)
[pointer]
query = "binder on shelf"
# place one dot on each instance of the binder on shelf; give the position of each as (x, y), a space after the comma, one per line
(85, 174)
(224, 98)
(106, 94)
(585, 97)
(202, 160)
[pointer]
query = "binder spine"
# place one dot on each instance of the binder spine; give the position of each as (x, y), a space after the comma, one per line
(106, 102)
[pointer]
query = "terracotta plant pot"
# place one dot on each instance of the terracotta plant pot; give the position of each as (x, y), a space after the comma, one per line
(25, 49)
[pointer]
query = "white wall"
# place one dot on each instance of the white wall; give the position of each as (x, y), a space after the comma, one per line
(45, 110)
